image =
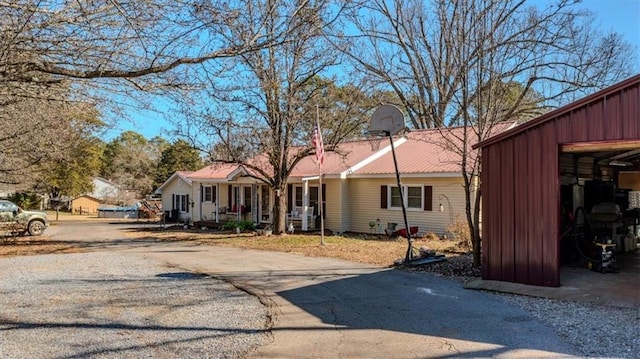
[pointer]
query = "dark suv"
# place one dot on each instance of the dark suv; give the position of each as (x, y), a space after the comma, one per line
(15, 220)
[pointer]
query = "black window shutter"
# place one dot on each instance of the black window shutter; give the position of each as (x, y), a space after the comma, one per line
(201, 193)
(428, 198)
(173, 201)
(229, 196)
(383, 197)
(289, 197)
(187, 200)
(214, 194)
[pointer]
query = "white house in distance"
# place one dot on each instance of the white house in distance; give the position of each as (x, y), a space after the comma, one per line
(177, 196)
(360, 192)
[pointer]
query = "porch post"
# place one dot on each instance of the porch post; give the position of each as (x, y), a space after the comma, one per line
(217, 207)
(254, 204)
(199, 197)
(305, 205)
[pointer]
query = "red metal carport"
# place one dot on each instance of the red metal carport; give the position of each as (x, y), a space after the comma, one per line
(520, 180)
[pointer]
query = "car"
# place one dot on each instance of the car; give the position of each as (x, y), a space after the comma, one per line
(15, 220)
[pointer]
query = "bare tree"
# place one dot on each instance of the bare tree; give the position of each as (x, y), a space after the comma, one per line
(452, 62)
(263, 113)
(58, 54)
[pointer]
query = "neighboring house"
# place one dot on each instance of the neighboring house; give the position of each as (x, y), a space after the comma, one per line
(177, 196)
(105, 190)
(359, 187)
(85, 204)
(224, 192)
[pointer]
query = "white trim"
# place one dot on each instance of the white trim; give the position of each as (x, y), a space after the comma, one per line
(311, 178)
(173, 176)
(233, 175)
(405, 193)
(350, 171)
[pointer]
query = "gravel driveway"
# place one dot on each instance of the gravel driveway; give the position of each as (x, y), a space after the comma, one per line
(117, 305)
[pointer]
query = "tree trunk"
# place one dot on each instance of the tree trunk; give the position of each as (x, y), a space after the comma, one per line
(475, 235)
(280, 212)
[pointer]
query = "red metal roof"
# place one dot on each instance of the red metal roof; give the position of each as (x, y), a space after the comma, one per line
(346, 156)
(427, 151)
(217, 170)
(417, 152)
(423, 151)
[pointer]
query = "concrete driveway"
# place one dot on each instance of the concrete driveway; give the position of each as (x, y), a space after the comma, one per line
(328, 308)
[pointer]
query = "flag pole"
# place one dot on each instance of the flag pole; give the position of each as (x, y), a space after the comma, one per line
(320, 199)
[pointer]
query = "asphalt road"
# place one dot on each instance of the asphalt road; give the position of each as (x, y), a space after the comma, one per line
(328, 308)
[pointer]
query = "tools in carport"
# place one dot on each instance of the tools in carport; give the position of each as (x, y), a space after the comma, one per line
(593, 238)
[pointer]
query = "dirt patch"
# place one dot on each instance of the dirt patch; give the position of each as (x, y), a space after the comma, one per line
(24, 246)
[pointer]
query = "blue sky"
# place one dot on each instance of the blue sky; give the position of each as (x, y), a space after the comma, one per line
(622, 16)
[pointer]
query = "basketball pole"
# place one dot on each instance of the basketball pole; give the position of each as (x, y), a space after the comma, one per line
(409, 256)
(388, 120)
(320, 198)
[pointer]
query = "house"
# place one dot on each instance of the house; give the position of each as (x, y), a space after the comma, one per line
(224, 191)
(359, 188)
(85, 204)
(177, 197)
(537, 175)
(360, 191)
(105, 190)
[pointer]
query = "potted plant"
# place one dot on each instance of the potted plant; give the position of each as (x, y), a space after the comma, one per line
(372, 225)
(266, 231)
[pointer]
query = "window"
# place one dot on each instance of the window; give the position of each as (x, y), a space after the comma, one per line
(181, 202)
(415, 197)
(207, 194)
(313, 199)
(247, 199)
(298, 196)
(295, 198)
(395, 197)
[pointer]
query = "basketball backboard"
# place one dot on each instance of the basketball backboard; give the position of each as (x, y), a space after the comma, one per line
(388, 119)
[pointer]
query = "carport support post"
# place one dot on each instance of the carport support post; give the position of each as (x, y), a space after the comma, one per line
(409, 254)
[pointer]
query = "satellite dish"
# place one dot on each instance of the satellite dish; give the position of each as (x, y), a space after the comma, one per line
(388, 119)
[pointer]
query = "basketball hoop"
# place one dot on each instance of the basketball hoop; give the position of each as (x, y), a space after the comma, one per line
(375, 139)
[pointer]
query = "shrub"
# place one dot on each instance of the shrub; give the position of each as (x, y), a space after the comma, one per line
(431, 236)
(243, 225)
(460, 231)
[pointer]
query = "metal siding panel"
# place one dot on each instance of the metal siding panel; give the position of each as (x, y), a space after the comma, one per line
(612, 116)
(506, 208)
(534, 209)
(563, 128)
(487, 192)
(521, 220)
(493, 252)
(631, 112)
(596, 121)
(579, 125)
(550, 207)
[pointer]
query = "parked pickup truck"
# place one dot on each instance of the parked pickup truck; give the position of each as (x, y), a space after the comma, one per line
(15, 220)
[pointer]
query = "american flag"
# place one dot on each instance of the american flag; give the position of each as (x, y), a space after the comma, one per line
(317, 143)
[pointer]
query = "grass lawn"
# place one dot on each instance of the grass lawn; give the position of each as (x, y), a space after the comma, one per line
(369, 249)
(362, 248)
